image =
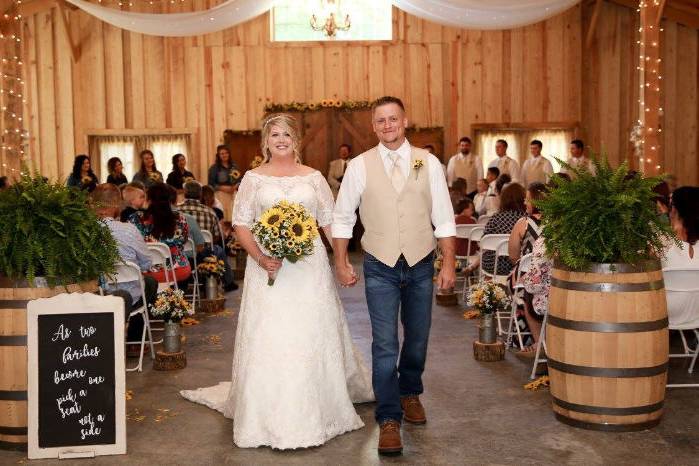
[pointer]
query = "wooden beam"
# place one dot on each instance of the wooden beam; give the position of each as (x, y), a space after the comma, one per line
(651, 163)
(661, 7)
(593, 24)
(31, 7)
(679, 13)
(63, 13)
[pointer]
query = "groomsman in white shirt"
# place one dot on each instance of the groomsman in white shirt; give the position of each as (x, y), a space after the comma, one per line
(465, 165)
(504, 162)
(577, 158)
(337, 168)
(536, 168)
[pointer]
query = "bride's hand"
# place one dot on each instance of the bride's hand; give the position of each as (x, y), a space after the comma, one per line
(270, 264)
(345, 274)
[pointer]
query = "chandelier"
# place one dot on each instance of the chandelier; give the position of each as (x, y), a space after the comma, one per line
(330, 10)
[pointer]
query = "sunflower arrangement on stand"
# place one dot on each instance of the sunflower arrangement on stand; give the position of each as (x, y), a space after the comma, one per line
(287, 231)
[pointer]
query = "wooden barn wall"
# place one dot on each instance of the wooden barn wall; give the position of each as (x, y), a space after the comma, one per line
(447, 77)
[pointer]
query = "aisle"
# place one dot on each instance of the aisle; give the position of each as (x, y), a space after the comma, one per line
(478, 413)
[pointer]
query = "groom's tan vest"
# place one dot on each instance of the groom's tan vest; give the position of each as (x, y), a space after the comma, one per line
(396, 223)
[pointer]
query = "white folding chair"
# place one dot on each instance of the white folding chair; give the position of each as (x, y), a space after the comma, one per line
(483, 219)
(680, 284)
(540, 343)
(525, 263)
(498, 245)
(160, 255)
(190, 246)
(208, 237)
(474, 237)
(129, 272)
(463, 232)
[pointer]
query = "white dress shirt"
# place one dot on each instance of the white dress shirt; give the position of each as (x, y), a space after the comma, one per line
(354, 183)
(507, 164)
(579, 162)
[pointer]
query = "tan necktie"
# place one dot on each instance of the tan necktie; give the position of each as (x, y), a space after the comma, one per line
(397, 178)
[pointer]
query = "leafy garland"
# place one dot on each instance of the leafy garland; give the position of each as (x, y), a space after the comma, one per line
(313, 106)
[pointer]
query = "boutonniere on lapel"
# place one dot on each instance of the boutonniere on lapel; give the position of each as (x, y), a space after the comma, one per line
(417, 165)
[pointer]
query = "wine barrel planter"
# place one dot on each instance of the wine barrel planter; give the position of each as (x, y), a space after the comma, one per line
(14, 296)
(607, 345)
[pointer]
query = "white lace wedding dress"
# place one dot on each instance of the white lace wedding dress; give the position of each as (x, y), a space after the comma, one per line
(296, 371)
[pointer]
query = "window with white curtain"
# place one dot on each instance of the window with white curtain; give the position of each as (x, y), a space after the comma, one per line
(555, 144)
(127, 148)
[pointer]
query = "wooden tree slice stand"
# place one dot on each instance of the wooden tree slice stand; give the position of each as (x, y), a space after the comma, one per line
(212, 305)
(446, 298)
(169, 361)
(488, 352)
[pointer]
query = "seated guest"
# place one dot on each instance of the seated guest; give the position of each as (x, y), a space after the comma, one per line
(148, 174)
(662, 200)
(458, 192)
(511, 210)
(528, 228)
(159, 223)
(116, 172)
(179, 174)
(464, 216)
(491, 177)
(492, 203)
(479, 198)
(537, 282)
(134, 200)
(206, 220)
(106, 201)
(683, 308)
(4, 183)
(208, 198)
(82, 176)
(671, 181)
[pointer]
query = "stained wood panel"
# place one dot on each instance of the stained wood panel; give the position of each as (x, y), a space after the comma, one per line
(446, 76)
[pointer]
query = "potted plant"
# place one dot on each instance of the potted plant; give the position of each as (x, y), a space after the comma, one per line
(488, 298)
(50, 243)
(172, 307)
(607, 337)
(212, 270)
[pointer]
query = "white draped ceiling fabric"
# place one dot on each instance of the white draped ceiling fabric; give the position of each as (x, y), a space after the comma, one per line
(469, 14)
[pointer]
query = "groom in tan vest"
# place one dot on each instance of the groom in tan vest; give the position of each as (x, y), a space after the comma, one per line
(404, 204)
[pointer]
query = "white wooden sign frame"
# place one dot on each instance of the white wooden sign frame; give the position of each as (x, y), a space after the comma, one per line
(76, 303)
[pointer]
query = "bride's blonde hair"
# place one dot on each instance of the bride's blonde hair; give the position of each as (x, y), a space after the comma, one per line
(287, 123)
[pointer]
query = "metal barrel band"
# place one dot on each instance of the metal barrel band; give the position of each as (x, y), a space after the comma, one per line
(608, 287)
(608, 327)
(609, 268)
(607, 427)
(19, 446)
(587, 409)
(13, 395)
(13, 304)
(611, 372)
(7, 430)
(13, 340)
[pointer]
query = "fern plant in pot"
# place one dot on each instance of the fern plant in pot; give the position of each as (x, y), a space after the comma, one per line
(50, 243)
(606, 333)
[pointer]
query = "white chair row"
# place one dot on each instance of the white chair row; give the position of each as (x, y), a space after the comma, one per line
(681, 284)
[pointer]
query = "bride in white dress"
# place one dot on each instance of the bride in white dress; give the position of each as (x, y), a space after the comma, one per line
(296, 371)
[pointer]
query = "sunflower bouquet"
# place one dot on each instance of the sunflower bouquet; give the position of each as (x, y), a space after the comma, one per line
(171, 305)
(287, 231)
(488, 298)
(211, 267)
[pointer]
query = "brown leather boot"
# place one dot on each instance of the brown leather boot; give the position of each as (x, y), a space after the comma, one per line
(389, 438)
(413, 411)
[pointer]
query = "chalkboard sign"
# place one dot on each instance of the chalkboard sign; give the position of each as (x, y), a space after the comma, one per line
(76, 376)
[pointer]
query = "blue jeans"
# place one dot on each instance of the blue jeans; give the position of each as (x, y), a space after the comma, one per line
(388, 290)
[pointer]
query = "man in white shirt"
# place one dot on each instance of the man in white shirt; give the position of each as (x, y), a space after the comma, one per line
(536, 168)
(578, 159)
(337, 168)
(465, 165)
(504, 162)
(402, 195)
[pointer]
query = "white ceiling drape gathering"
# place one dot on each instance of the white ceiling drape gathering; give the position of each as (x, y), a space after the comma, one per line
(470, 14)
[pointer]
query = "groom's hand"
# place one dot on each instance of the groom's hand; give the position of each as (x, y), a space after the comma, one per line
(447, 275)
(345, 274)
(446, 278)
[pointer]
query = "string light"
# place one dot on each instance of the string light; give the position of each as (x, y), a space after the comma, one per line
(13, 135)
